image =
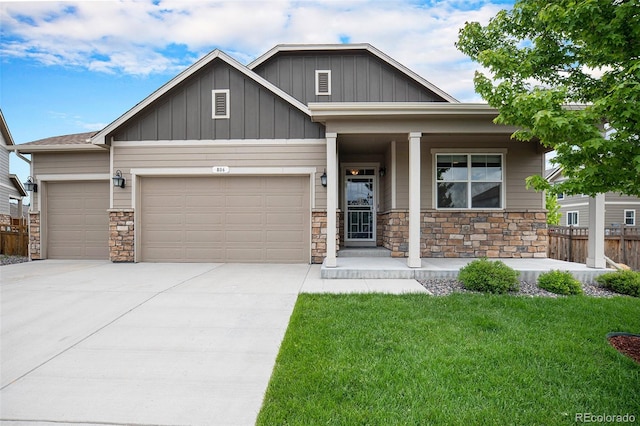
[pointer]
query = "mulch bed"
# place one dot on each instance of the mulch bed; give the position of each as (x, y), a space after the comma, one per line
(628, 345)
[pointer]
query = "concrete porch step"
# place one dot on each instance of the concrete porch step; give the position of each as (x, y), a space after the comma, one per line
(364, 252)
(441, 268)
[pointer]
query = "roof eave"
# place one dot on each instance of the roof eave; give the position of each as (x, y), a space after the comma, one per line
(18, 185)
(323, 111)
(4, 129)
(28, 149)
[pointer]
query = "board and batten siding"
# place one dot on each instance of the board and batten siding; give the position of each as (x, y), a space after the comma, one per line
(244, 155)
(185, 112)
(355, 77)
(68, 163)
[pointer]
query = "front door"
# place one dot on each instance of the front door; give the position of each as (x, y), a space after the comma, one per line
(360, 202)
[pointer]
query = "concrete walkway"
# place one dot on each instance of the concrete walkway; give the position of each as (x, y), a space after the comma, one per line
(148, 344)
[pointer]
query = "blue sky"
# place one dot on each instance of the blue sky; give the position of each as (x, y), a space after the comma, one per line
(71, 67)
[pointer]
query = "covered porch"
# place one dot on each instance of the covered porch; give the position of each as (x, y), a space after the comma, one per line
(383, 183)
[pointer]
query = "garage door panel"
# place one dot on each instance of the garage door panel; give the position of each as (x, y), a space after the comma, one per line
(203, 219)
(204, 236)
(226, 219)
(77, 220)
(284, 201)
(244, 219)
(243, 237)
(284, 218)
(244, 201)
(203, 201)
(285, 236)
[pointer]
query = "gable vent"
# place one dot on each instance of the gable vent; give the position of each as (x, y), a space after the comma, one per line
(323, 82)
(220, 103)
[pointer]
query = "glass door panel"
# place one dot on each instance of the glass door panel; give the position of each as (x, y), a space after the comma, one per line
(360, 203)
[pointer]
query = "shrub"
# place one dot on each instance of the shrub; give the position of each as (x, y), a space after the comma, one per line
(490, 277)
(559, 282)
(623, 282)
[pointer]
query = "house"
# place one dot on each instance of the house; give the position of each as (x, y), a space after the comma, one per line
(11, 190)
(235, 163)
(620, 210)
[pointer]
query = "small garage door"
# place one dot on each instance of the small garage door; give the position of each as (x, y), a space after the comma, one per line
(77, 220)
(225, 219)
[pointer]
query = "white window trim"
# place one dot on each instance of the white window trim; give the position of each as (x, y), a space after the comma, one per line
(328, 92)
(560, 196)
(213, 103)
(461, 151)
(633, 217)
(577, 213)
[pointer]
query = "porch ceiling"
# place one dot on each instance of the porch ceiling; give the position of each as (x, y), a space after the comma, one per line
(367, 144)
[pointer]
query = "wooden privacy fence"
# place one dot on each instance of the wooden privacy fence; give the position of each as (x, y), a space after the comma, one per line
(14, 238)
(570, 243)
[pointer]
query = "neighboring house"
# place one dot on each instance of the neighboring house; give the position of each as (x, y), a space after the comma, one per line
(620, 210)
(228, 162)
(11, 190)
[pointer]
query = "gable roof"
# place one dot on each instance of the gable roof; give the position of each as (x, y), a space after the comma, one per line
(18, 185)
(360, 46)
(4, 129)
(100, 137)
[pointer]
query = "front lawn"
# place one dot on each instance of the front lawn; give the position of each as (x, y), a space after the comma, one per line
(462, 359)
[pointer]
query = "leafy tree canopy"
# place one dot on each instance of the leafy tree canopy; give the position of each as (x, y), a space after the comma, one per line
(563, 71)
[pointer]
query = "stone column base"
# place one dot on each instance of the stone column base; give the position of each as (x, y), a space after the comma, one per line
(121, 235)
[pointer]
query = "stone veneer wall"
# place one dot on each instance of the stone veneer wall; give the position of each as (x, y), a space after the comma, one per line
(34, 235)
(121, 235)
(5, 220)
(319, 235)
(493, 234)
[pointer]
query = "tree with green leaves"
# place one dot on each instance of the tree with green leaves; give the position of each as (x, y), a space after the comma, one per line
(567, 73)
(553, 209)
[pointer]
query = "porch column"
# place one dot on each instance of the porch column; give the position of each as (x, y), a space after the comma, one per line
(414, 200)
(332, 199)
(595, 253)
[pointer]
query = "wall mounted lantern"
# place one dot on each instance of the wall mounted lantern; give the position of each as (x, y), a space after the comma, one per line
(29, 185)
(118, 180)
(323, 178)
(382, 172)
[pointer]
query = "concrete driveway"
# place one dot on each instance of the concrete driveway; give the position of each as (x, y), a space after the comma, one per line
(147, 344)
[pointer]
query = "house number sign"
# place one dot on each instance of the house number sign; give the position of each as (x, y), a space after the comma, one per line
(220, 169)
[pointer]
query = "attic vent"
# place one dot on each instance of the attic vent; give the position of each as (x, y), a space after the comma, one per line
(323, 82)
(220, 103)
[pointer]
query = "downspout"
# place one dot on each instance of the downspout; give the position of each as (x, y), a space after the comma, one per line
(22, 157)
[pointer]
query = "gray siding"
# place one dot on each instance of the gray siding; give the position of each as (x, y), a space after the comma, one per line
(68, 163)
(356, 76)
(267, 155)
(615, 205)
(185, 112)
(6, 186)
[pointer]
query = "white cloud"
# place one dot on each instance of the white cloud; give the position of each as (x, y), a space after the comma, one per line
(136, 37)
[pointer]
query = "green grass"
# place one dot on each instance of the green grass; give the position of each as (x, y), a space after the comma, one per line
(458, 360)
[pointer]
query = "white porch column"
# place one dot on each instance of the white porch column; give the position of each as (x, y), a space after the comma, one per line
(332, 199)
(595, 253)
(414, 200)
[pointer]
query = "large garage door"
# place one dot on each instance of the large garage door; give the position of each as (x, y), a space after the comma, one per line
(77, 220)
(225, 219)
